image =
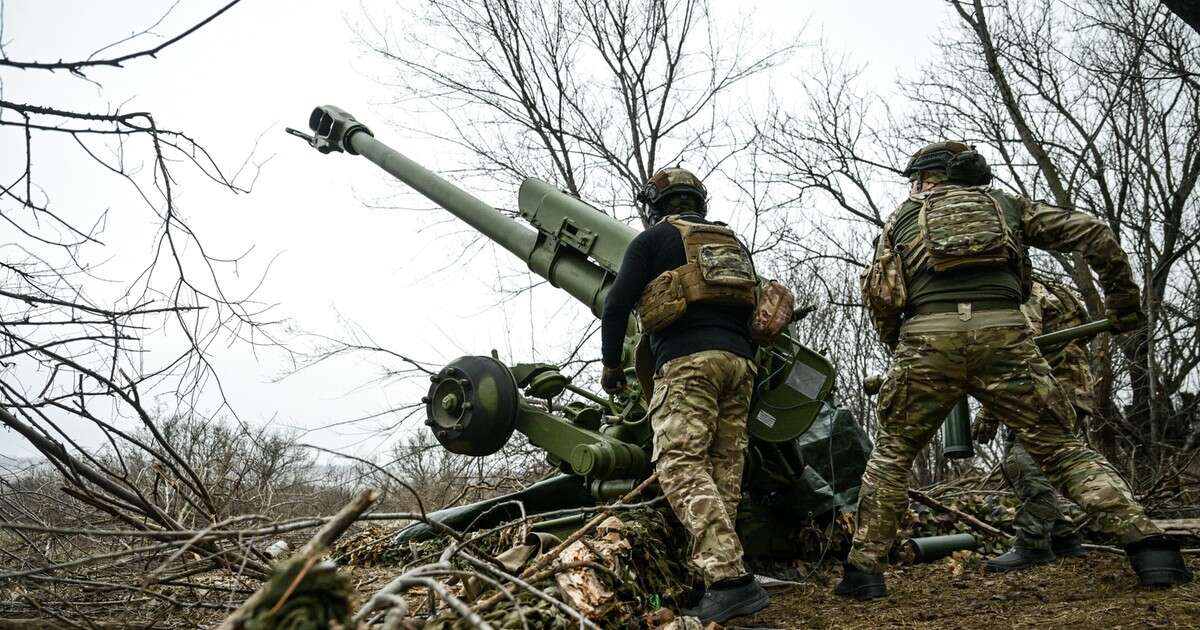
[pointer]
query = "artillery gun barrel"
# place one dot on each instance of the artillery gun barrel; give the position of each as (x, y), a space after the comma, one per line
(475, 403)
(490, 222)
(568, 242)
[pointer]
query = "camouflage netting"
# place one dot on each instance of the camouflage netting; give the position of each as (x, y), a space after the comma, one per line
(640, 556)
(643, 554)
(634, 563)
(303, 596)
(370, 546)
(993, 509)
(377, 546)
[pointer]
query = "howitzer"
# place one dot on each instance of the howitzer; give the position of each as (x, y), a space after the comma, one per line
(956, 430)
(806, 454)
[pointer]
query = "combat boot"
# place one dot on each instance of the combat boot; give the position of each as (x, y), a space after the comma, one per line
(1019, 558)
(1157, 562)
(1069, 546)
(729, 598)
(859, 584)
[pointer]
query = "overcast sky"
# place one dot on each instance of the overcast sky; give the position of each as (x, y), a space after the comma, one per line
(262, 66)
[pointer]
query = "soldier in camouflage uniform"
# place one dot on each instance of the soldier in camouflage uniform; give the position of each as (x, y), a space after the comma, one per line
(704, 374)
(950, 272)
(1042, 531)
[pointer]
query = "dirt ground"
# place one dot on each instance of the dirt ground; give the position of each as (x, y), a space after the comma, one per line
(1098, 591)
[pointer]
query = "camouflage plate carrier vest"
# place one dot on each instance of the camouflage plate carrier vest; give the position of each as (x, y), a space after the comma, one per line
(718, 271)
(959, 227)
(963, 227)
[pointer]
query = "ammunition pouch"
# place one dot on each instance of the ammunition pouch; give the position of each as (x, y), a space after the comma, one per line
(772, 312)
(718, 271)
(884, 287)
(1026, 272)
(964, 228)
(662, 302)
(884, 292)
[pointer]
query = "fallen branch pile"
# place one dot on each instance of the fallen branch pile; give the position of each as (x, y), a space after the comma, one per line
(620, 565)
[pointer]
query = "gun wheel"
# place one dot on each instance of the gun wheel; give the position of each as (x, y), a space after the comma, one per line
(472, 406)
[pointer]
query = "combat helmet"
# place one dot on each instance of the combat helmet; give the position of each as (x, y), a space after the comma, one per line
(961, 163)
(668, 182)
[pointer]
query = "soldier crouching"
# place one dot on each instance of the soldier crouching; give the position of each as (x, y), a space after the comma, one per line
(1042, 532)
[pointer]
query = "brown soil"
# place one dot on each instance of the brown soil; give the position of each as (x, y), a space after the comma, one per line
(1098, 591)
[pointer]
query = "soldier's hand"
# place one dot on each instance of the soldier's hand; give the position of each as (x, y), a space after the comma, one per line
(1124, 311)
(612, 380)
(983, 429)
(1127, 321)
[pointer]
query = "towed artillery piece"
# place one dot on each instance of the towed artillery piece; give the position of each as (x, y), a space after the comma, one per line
(806, 455)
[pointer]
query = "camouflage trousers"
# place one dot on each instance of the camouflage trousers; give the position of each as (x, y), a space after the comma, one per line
(1039, 516)
(991, 356)
(698, 413)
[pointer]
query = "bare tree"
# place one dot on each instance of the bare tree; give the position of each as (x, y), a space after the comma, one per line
(594, 95)
(1092, 105)
(83, 344)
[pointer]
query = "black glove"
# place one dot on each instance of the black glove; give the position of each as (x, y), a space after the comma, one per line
(983, 429)
(872, 384)
(1124, 311)
(612, 379)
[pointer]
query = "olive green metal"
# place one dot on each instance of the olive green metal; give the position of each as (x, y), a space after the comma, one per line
(575, 223)
(571, 229)
(586, 395)
(562, 523)
(611, 489)
(956, 432)
(568, 229)
(632, 432)
(471, 406)
(546, 385)
(475, 403)
(585, 415)
(579, 249)
(930, 548)
(505, 232)
(791, 386)
(1049, 340)
(588, 452)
